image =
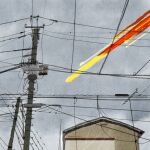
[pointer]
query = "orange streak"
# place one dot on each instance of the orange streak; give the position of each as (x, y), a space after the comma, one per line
(141, 27)
(135, 22)
(136, 28)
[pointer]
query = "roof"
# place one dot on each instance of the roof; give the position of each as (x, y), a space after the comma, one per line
(102, 119)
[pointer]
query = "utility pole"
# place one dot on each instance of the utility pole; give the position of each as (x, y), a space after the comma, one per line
(10, 145)
(32, 76)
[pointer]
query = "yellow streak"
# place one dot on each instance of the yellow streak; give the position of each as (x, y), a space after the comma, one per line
(83, 62)
(91, 61)
(123, 31)
(85, 67)
(116, 37)
(136, 40)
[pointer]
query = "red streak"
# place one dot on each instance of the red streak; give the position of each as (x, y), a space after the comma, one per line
(145, 23)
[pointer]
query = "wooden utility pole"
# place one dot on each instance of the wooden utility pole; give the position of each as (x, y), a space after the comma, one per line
(10, 144)
(32, 76)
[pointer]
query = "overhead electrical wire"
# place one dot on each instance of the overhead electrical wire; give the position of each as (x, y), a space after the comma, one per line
(67, 70)
(3, 141)
(131, 76)
(74, 34)
(10, 69)
(11, 35)
(95, 116)
(7, 66)
(35, 143)
(23, 115)
(14, 21)
(142, 23)
(103, 108)
(71, 70)
(2, 146)
(130, 96)
(74, 119)
(43, 143)
(92, 42)
(42, 50)
(111, 128)
(37, 140)
(132, 119)
(19, 141)
(83, 25)
(145, 64)
(15, 50)
(11, 58)
(118, 26)
(17, 127)
(88, 98)
(14, 38)
(145, 89)
(32, 9)
(87, 36)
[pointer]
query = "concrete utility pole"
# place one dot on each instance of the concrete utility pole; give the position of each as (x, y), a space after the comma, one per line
(10, 145)
(32, 76)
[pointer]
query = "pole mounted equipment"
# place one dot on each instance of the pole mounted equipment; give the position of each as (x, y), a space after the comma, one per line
(32, 69)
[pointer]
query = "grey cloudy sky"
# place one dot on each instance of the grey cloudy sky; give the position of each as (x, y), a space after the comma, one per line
(104, 13)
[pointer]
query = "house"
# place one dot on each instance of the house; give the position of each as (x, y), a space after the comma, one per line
(102, 134)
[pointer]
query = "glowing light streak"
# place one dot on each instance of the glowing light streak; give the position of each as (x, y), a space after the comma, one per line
(82, 63)
(128, 33)
(136, 39)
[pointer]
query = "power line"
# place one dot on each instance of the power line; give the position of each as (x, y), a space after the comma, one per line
(87, 36)
(10, 35)
(103, 108)
(121, 18)
(2, 146)
(14, 38)
(10, 69)
(15, 129)
(131, 76)
(16, 50)
(132, 119)
(67, 70)
(35, 143)
(74, 34)
(83, 25)
(94, 116)
(32, 11)
(14, 21)
(3, 141)
(145, 89)
(40, 138)
(88, 97)
(68, 114)
(5, 114)
(142, 67)
(92, 42)
(37, 140)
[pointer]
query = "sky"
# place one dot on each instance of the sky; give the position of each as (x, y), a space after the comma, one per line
(58, 51)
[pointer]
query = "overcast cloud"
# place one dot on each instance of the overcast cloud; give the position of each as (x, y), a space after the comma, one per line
(104, 13)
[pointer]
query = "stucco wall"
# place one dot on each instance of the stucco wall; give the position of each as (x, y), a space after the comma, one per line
(90, 145)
